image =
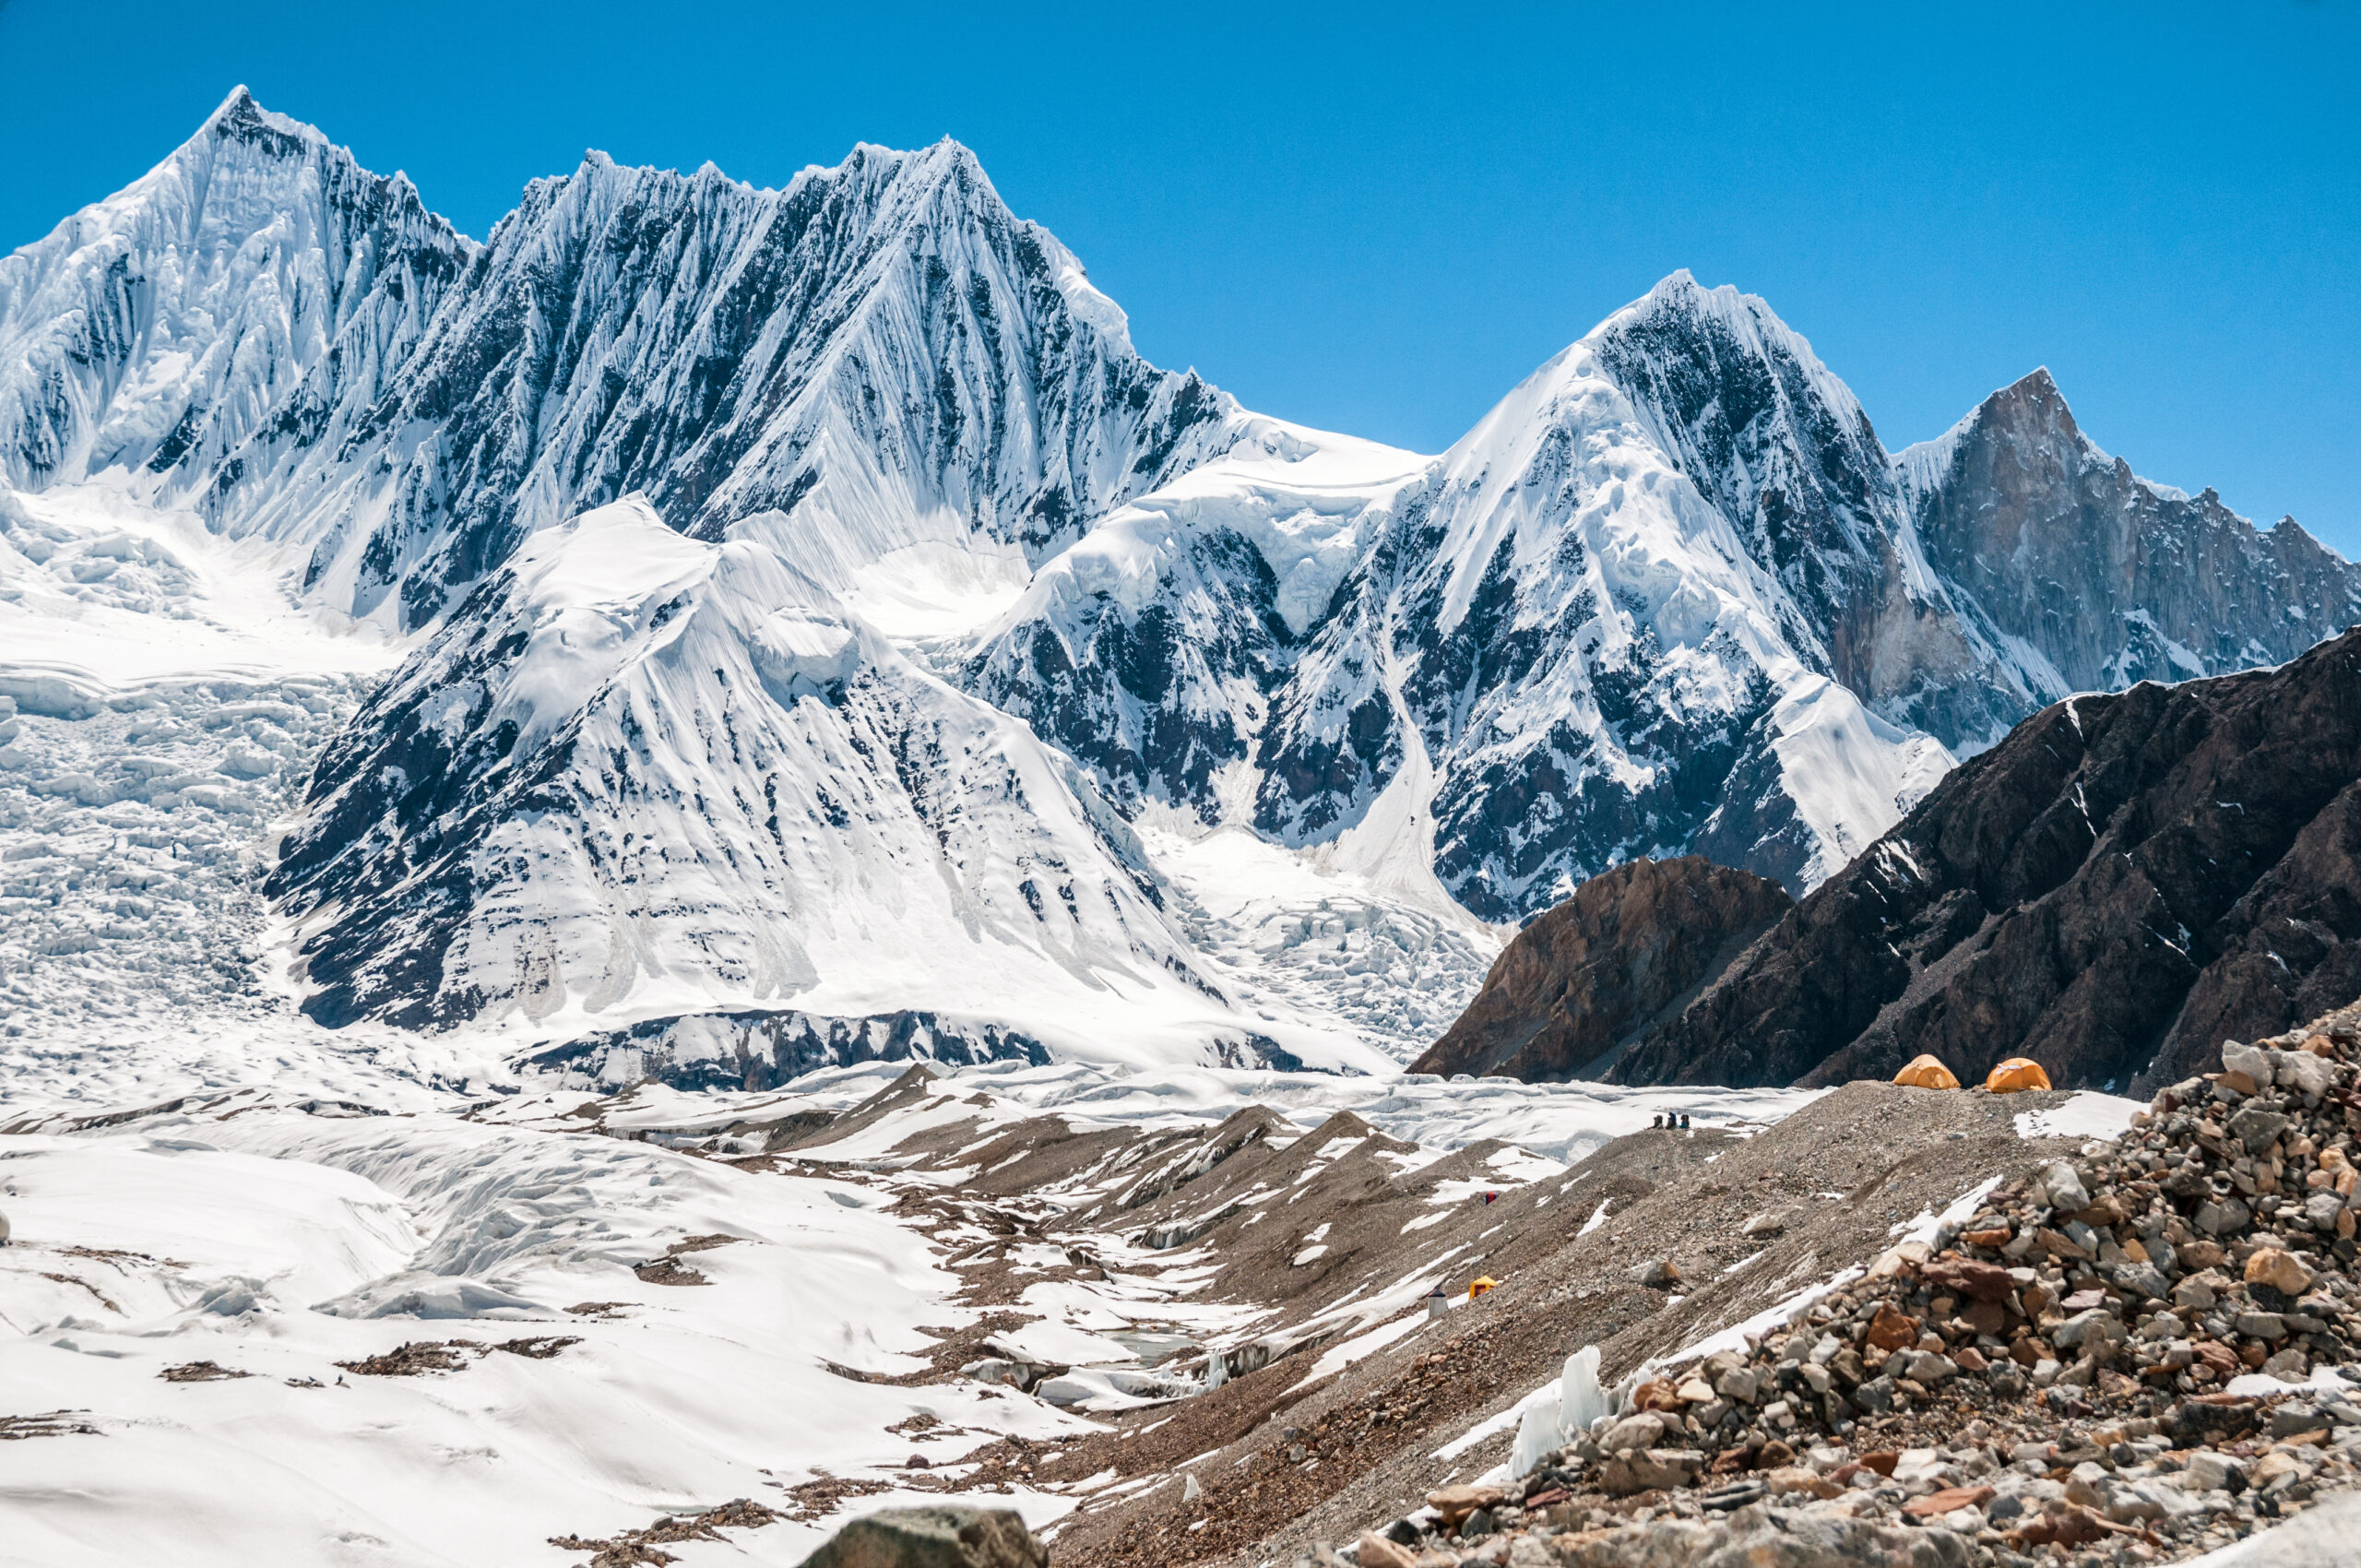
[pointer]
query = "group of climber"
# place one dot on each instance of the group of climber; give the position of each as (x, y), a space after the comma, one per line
(2016, 1073)
(1671, 1120)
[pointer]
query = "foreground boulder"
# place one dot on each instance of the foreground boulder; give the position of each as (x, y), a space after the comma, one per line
(1764, 1537)
(933, 1537)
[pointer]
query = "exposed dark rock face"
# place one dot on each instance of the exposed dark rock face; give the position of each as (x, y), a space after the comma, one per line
(2113, 890)
(1625, 952)
(2114, 580)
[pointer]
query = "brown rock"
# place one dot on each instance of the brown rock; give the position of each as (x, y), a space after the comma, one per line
(2061, 1523)
(1657, 1394)
(1375, 1551)
(2220, 1357)
(1609, 962)
(1971, 1360)
(1986, 1317)
(1995, 1239)
(1966, 1277)
(1891, 1330)
(1935, 1505)
(1455, 1502)
(2057, 1243)
(2270, 1266)
(1883, 1462)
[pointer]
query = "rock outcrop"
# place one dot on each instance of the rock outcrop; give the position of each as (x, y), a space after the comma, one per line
(933, 1537)
(1626, 952)
(2122, 884)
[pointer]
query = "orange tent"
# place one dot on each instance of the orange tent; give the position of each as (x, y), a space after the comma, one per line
(1926, 1073)
(2017, 1073)
(1480, 1286)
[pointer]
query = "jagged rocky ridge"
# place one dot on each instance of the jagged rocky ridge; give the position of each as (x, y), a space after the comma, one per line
(1671, 596)
(262, 329)
(2122, 884)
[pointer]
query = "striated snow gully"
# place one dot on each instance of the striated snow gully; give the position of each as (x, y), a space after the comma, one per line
(820, 635)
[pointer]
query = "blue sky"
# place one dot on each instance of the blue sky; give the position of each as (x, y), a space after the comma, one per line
(1378, 218)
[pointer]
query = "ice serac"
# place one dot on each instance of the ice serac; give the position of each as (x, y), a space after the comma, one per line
(2120, 884)
(641, 774)
(150, 337)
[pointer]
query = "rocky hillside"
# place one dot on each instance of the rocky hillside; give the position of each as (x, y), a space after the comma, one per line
(1625, 953)
(2065, 1366)
(2119, 886)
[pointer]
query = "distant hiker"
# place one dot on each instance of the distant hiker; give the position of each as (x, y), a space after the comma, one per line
(1684, 1121)
(1657, 1121)
(1489, 1197)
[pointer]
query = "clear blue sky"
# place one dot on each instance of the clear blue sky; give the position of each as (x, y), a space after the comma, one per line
(1377, 219)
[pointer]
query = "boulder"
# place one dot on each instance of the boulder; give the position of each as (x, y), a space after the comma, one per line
(1642, 1431)
(2278, 1269)
(933, 1537)
(1965, 1277)
(1765, 1536)
(1650, 1469)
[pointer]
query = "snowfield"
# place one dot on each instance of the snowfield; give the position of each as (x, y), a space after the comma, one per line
(279, 1236)
(278, 1244)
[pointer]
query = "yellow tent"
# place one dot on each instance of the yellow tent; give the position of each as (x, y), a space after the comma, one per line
(1926, 1073)
(1480, 1286)
(2017, 1073)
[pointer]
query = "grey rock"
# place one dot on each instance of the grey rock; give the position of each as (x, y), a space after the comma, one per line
(2256, 1128)
(1644, 1430)
(2261, 1326)
(933, 1537)
(1650, 1469)
(2320, 1536)
(1763, 1535)
(2067, 1194)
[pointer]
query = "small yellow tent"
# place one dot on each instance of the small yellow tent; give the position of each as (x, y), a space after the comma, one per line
(1926, 1073)
(2017, 1073)
(1480, 1286)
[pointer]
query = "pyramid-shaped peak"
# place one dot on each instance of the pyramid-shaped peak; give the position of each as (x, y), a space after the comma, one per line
(242, 117)
(2031, 402)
